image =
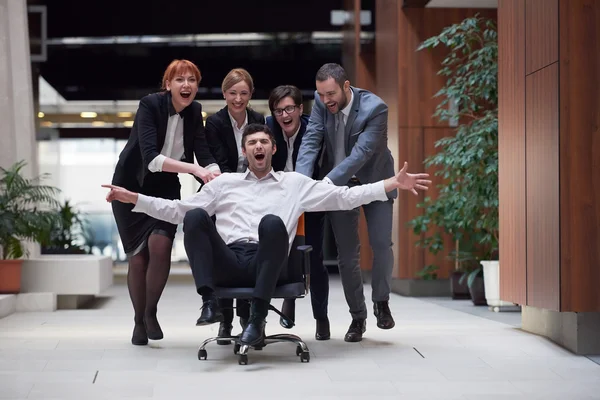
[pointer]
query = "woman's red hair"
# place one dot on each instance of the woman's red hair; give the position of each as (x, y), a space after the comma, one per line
(179, 67)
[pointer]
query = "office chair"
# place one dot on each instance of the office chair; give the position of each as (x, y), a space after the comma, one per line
(299, 259)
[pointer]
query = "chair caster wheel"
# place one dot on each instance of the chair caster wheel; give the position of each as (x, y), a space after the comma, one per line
(243, 359)
(305, 356)
(202, 354)
(298, 350)
(236, 348)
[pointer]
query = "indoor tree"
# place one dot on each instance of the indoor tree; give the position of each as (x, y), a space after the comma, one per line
(466, 163)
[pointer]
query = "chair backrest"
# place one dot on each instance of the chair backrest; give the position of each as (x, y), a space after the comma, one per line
(300, 228)
(296, 257)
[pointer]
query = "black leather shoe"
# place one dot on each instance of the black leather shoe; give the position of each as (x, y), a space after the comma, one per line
(381, 309)
(288, 308)
(224, 331)
(211, 313)
(243, 322)
(153, 327)
(139, 337)
(253, 334)
(323, 332)
(356, 330)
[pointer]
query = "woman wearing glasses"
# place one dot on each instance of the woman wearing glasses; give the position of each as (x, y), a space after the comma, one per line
(288, 125)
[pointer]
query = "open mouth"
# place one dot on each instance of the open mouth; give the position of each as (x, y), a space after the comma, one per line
(186, 95)
(259, 157)
(331, 106)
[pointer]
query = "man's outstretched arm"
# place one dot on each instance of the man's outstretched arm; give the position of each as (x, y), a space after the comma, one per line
(172, 211)
(320, 196)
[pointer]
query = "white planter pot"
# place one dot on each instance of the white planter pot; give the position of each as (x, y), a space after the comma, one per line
(67, 274)
(491, 280)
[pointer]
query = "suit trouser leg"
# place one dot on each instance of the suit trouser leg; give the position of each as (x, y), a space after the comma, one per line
(272, 255)
(319, 276)
(242, 305)
(345, 230)
(379, 216)
(205, 249)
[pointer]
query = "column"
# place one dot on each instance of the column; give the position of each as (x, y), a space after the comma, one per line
(17, 129)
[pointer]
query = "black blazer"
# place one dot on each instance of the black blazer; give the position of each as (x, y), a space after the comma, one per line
(148, 137)
(221, 139)
(280, 156)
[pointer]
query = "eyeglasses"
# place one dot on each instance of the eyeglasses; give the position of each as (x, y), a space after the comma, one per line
(289, 109)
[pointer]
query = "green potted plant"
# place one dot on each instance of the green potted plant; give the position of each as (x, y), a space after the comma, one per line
(27, 214)
(67, 236)
(467, 163)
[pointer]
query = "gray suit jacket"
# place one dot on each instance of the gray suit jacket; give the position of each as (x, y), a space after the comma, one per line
(367, 155)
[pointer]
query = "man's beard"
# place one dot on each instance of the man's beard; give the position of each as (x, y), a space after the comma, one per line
(344, 102)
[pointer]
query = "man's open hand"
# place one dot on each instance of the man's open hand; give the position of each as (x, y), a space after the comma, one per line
(119, 194)
(405, 181)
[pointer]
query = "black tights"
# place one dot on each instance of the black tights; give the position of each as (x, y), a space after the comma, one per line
(147, 277)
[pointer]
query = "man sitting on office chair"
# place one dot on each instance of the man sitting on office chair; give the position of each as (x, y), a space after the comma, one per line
(257, 216)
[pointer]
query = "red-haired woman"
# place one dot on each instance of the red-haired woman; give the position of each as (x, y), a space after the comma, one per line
(167, 132)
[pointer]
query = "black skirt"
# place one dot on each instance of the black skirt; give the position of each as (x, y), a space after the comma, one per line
(135, 228)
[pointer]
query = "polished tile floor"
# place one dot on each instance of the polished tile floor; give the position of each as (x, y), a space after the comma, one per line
(435, 352)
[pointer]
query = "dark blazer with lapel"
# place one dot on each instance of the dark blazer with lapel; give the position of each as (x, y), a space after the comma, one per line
(148, 137)
(281, 155)
(221, 139)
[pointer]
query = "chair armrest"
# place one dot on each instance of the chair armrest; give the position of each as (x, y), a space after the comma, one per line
(305, 250)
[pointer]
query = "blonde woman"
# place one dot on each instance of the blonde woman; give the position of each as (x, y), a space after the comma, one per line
(224, 129)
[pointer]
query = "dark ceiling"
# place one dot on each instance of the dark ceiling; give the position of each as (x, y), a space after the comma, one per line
(129, 71)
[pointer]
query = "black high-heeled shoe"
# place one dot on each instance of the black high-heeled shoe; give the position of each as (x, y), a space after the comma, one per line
(139, 337)
(153, 328)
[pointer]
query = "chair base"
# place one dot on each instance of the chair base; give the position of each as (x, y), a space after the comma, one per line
(242, 350)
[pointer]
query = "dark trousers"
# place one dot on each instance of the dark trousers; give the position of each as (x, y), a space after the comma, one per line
(319, 277)
(242, 306)
(259, 265)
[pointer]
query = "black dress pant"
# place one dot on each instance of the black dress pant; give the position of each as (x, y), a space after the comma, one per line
(319, 276)
(260, 265)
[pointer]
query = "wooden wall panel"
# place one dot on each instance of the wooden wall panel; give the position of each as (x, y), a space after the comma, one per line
(541, 36)
(410, 257)
(386, 72)
(511, 151)
(580, 154)
(541, 149)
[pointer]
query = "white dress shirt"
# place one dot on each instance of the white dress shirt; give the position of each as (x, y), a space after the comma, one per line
(346, 110)
(173, 146)
(240, 200)
(238, 139)
(289, 164)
